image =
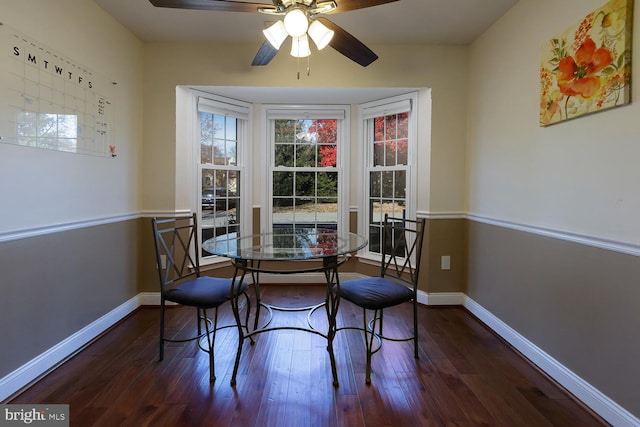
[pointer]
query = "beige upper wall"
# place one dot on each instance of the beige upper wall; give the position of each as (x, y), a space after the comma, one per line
(43, 187)
(580, 176)
(443, 69)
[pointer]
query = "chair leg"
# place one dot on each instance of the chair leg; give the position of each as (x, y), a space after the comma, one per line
(236, 315)
(161, 352)
(415, 329)
(369, 335)
(211, 340)
(247, 316)
(199, 319)
(256, 287)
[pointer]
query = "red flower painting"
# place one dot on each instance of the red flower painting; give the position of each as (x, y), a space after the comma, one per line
(588, 68)
(579, 76)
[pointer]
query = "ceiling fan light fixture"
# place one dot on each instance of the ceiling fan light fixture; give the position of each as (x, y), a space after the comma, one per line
(300, 46)
(320, 34)
(276, 34)
(296, 22)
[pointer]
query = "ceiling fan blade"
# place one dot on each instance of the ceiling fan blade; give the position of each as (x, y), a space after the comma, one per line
(348, 45)
(347, 5)
(265, 54)
(219, 5)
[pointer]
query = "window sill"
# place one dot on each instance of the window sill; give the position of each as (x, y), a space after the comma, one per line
(214, 263)
(368, 258)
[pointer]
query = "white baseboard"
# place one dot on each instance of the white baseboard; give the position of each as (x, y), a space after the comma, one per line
(589, 395)
(441, 298)
(33, 369)
(149, 298)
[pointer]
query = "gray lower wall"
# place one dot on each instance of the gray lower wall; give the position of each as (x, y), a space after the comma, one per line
(55, 284)
(579, 304)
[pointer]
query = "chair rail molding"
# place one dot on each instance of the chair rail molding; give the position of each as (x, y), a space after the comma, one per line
(67, 226)
(607, 244)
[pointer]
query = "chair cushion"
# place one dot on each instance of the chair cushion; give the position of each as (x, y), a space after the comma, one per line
(375, 293)
(203, 292)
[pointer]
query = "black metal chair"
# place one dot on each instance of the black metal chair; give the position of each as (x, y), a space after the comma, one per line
(180, 282)
(398, 283)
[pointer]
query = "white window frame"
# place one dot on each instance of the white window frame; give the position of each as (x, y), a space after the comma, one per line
(297, 112)
(368, 111)
(242, 111)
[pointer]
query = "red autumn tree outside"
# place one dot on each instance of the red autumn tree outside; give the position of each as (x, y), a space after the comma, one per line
(326, 133)
(390, 139)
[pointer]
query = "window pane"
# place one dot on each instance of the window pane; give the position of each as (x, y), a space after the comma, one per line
(284, 131)
(283, 210)
(305, 184)
(283, 204)
(218, 139)
(388, 173)
(378, 126)
(327, 183)
(327, 156)
(387, 184)
(231, 153)
(400, 184)
(206, 138)
(403, 125)
(305, 210)
(375, 179)
(327, 209)
(390, 153)
(219, 152)
(282, 183)
(376, 212)
(218, 126)
(390, 127)
(326, 131)
(284, 155)
(378, 154)
(220, 203)
(403, 149)
(375, 238)
(305, 155)
(305, 132)
(230, 128)
(305, 199)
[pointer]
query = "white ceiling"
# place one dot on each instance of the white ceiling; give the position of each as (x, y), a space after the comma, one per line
(404, 21)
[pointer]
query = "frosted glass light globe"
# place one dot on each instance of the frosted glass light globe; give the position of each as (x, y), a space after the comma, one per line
(296, 23)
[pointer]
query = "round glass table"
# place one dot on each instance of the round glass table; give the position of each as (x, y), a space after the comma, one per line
(265, 253)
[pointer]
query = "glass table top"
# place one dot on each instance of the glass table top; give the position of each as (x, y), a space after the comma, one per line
(286, 245)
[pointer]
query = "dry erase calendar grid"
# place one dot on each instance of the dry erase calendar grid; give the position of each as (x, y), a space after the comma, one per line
(51, 101)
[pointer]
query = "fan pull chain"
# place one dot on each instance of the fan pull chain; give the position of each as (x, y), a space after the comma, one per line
(308, 67)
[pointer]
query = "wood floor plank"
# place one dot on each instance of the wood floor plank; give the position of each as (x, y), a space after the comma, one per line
(465, 376)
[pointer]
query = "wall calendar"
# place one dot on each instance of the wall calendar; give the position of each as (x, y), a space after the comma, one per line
(50, 101)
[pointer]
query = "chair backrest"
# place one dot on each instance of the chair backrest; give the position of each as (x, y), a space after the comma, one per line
(175, 243)
(402, 249)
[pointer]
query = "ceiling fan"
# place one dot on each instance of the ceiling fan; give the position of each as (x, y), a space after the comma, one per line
(301, 20)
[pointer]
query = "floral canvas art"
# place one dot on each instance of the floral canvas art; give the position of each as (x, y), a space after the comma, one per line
(588, 67)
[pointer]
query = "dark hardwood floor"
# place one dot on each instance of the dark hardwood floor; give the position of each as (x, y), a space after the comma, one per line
(466, 376)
